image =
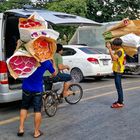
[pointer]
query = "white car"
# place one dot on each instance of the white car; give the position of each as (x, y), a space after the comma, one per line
(86, 61)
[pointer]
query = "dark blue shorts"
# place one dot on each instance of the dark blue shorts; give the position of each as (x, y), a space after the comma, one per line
(29, 98)
(62, 77)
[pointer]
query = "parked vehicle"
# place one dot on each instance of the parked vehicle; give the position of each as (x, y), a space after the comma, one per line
(10, 89)
(86, 61)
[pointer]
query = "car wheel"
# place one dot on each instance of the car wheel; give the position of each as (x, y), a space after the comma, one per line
(76, 75)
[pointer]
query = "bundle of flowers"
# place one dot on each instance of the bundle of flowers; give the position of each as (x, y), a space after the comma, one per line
(37, 43)
(22, 64)
(29, 23)
(42, 48)
(128, 31)
(122, 28)
(26, 25)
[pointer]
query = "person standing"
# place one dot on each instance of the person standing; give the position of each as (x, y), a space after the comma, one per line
(32, 89)
(118, 68)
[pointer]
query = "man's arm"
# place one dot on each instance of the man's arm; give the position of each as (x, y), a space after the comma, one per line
(114, 57)
(61, 66)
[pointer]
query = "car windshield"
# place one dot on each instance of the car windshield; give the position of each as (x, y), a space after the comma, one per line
(89, 50)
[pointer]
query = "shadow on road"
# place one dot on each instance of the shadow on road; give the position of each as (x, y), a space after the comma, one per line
(92, 79)
(10, 106)
(124, 76)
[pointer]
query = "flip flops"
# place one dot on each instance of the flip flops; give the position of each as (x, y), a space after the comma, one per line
(41, 133)
(20, 134)
(117, 105)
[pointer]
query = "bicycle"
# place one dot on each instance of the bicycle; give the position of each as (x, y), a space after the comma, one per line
(51, 97)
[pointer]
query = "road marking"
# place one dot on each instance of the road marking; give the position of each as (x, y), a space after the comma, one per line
(63, 105)
(108, 93)
(104, 94)
(109, 85)
(12, 119)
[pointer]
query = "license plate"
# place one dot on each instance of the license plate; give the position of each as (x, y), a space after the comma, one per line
(105, 62)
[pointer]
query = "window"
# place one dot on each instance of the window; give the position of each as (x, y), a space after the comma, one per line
(68, 51)
(65, 16)
(90, 50)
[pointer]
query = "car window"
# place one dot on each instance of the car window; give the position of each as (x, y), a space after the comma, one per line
(68, 51)
(90, 50)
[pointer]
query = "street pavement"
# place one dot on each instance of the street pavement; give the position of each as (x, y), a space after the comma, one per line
(90, 119)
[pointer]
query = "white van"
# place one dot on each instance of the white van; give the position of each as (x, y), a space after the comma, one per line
(10, 89)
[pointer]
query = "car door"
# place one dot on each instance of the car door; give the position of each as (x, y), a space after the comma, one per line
(69, 57)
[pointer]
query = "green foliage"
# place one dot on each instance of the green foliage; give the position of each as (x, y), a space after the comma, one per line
(113, 10)
(11, 4)
(77, 7)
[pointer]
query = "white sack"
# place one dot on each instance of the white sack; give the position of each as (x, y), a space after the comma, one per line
(131, 40)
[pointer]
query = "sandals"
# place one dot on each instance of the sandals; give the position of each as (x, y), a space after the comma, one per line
(117, 105)
(20, 134)
(41, 133)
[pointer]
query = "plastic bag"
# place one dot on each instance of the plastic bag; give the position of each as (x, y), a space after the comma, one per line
(131, 40)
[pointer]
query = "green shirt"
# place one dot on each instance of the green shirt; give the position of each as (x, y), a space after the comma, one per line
(58, 60)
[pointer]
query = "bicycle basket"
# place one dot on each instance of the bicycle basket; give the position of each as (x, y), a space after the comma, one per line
(48, 86)
(48, 83)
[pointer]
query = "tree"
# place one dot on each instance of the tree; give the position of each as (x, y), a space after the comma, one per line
(112, 10)
(77, 7)
(10, 4)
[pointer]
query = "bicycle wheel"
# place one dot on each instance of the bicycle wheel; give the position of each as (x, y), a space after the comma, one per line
(77, 94)
(50, 105)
